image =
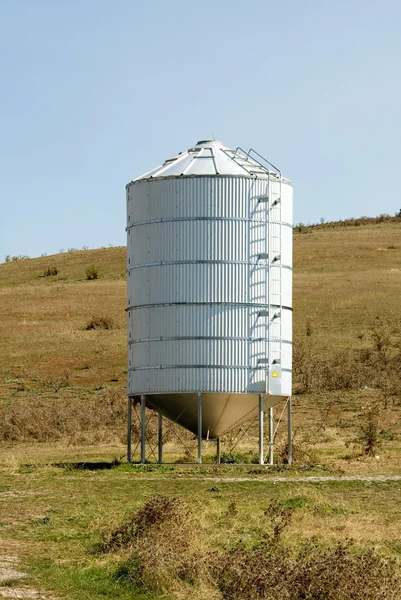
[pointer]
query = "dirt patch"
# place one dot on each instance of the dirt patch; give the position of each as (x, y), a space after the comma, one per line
(11, 581)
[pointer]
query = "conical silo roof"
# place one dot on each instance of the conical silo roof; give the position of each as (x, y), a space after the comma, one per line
(208, 158)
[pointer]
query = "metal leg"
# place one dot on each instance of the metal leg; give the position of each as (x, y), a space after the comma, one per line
(271, 435)
(218, 451)
(289, 420)
(129, 431)
(160, 438)
(261, 423)
(199, 427)
(143, 430)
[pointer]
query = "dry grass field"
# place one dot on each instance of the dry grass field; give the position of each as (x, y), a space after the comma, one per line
(62, 403)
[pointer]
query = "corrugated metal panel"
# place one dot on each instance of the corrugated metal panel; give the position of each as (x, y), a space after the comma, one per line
(199, 241)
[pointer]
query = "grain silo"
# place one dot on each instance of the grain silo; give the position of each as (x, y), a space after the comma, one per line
(210, 289)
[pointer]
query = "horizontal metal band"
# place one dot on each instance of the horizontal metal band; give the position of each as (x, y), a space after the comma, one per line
(204, 337)
(222, 367)
(228, 304)
(163, 263)
(182, 219)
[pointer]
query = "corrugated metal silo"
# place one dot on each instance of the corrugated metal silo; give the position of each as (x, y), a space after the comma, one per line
(210, 287)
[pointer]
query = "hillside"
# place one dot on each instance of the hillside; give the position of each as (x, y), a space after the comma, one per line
(60, 381)
(343, 280)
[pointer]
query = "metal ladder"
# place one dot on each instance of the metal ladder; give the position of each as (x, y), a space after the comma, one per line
(255, 164)
(248, 161)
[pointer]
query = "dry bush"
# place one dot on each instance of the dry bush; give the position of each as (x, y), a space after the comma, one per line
(168, 550)
(270, 572)
(60, 382)
(100, 323)
(253, 574)
(93, 272)
(279, 517)
(50, 271)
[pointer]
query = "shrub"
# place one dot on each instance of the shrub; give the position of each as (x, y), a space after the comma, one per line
(100, 323)
(93, 272)
(50, 271)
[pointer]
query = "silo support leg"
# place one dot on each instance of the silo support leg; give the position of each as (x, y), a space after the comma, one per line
(129, 431)
(160, 439)
(271, 435)
(261, 434)
(218, 451)
(143, 430)
(199, 427)
(289, 421)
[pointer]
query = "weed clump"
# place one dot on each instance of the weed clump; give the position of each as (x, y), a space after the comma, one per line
(100, 323)
(93, 272)
(165, 546)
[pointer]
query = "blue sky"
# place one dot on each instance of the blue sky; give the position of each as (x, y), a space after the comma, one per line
(95, 93)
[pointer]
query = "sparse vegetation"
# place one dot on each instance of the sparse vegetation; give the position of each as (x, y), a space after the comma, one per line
(99, 417)
(100, 323)
(301, 228)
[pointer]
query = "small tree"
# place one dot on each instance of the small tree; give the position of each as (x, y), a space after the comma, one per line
(369, 433)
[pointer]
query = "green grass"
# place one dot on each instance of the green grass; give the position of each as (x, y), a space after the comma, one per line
(57, 517)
